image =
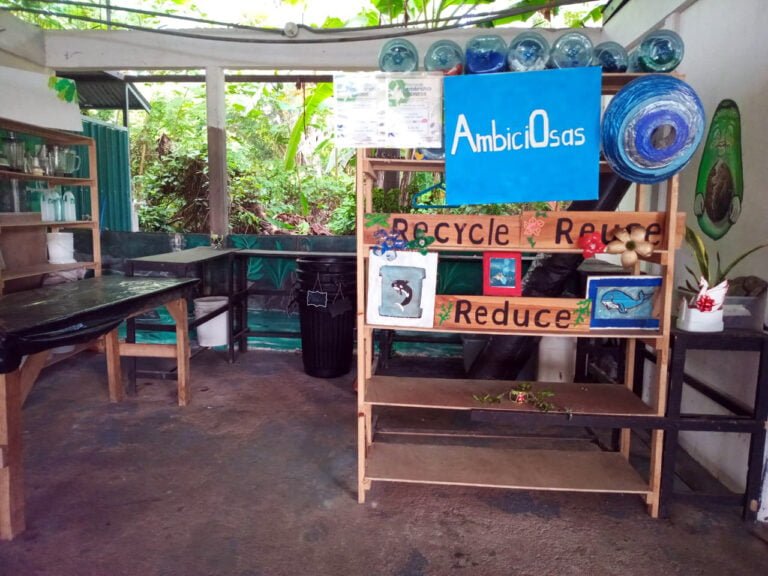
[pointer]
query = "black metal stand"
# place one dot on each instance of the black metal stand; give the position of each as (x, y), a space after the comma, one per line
(744, 419)
(193, 263)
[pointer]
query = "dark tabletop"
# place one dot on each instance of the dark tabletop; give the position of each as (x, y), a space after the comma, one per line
(190, 256)
(74, 312)
(247, 253)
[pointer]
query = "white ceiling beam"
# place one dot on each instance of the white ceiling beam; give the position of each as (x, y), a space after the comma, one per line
(21, 41)
(135, 50)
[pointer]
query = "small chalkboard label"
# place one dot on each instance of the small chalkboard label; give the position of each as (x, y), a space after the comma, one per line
(340, 306)
(317, 298)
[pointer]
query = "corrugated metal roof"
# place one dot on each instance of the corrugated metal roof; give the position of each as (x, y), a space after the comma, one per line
(106, 91)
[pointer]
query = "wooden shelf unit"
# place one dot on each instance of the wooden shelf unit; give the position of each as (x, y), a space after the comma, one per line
(22, 235)
(612, 405)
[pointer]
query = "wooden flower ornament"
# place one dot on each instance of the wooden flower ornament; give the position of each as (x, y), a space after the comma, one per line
(631, 244)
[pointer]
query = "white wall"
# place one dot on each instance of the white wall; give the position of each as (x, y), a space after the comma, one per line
(726, 54)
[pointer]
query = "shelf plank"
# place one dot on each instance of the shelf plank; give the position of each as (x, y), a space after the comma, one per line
(39, 269)
(53, 180)
(51, 135)
(592, 333)
(405, 165)
(456, 394)
(559, 231)
(614, 82)
(414, 165)
(47, 224)
(558, 470)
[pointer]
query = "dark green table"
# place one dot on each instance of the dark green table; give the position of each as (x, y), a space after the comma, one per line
(34, 321)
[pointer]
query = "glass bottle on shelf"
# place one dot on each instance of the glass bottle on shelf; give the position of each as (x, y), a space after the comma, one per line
(52, 208)
(14, 152)
(658, 51)
(571, 50)
(69, 207)
(611, 57)
(445, 56)
(528, 51)
(486, 54)
(398, 55)
(12, 196)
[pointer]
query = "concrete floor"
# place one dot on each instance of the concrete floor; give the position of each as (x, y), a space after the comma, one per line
(258, 477)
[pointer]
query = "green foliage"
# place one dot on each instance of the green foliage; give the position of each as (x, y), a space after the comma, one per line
(713, 274)
(168, 155)
(342, 221)
(55, 16)
(319, 95)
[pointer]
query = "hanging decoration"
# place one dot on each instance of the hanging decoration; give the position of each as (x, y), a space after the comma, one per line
(652, 128)
(720, 183)
(317, 297)
(388, 242)
(421, 241)
(591, 244)
(631, 244)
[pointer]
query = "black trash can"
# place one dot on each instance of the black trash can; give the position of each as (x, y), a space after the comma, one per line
(327, 289)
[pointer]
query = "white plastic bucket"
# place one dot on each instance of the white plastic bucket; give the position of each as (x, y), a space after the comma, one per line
(213, 332)
(557, 359)
(61, 247)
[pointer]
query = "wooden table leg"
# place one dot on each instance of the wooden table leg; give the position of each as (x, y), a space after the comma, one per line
(11, 472)
(178, 311)
(114, 374)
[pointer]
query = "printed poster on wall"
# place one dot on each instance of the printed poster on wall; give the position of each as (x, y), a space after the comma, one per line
(522, 136)
(388, 110)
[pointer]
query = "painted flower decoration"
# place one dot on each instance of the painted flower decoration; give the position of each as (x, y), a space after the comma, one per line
(420, 241)
(388, 243)
(591, 244)
(533, 226)
(630, 244)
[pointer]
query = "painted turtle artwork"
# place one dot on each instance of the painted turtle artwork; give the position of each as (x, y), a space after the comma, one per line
(401, 291)
(720, 183)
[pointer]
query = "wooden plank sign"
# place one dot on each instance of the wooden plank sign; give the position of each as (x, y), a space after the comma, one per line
(496, 313)
(452, 231)
(547, 230)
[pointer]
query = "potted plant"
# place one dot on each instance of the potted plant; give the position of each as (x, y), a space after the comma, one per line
(705, 293)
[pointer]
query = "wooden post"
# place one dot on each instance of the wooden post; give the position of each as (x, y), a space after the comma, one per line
(93, 175)
(178, 311)
(29, 372)
(11, 471)
(114, 375)
(362, 344)
(218, 193)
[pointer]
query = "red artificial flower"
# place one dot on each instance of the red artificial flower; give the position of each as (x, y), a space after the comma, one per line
(520, 398)
(591, 244)
(705, 304)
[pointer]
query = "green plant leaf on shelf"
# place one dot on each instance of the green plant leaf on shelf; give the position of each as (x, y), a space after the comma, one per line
(712, 276)
(374, 219)
(445, 313)
(583, 308)
(699, 251)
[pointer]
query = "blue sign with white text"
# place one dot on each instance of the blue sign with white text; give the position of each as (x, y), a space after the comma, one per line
(522, 136)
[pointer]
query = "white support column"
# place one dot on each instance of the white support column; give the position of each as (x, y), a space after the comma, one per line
(218, 190)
